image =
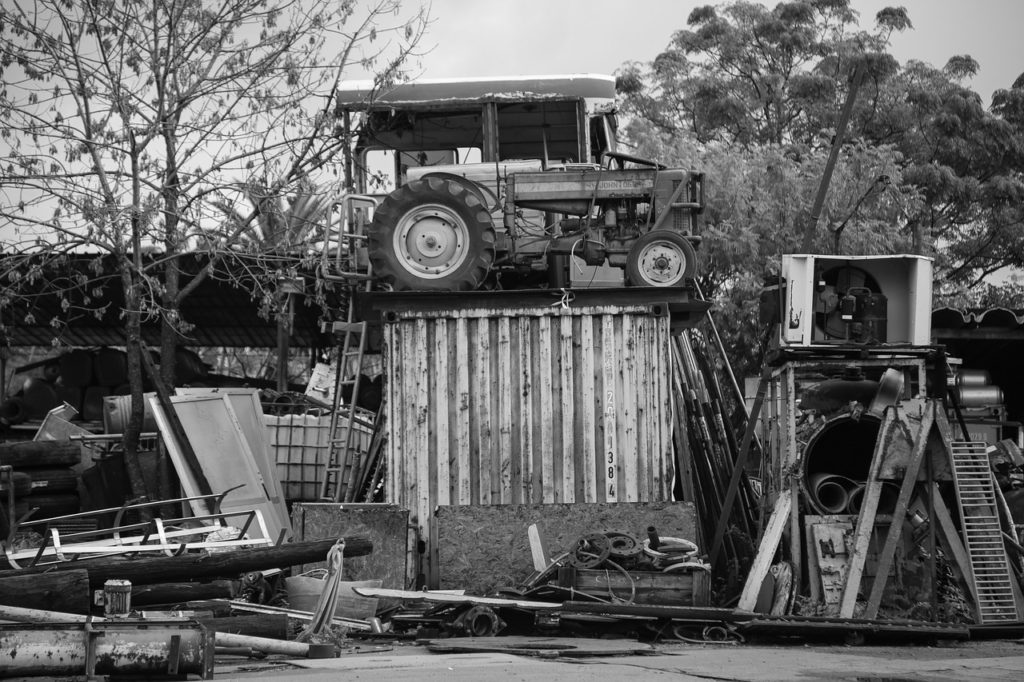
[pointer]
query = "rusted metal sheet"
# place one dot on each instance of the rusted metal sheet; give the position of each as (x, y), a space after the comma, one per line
(539, 404)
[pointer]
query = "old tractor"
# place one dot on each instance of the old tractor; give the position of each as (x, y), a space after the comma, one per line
(513, 183)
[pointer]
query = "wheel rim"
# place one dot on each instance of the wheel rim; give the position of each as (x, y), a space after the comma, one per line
(432, 241)
(661, 262)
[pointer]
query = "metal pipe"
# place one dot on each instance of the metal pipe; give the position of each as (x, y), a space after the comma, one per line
(271, 646)
(831, 492)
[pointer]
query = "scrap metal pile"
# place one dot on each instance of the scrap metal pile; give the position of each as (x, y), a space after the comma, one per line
(613, 572)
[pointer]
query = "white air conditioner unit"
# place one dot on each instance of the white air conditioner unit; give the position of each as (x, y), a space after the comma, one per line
(830, 300)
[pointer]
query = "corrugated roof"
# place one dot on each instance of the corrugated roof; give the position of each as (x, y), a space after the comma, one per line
(949, 320)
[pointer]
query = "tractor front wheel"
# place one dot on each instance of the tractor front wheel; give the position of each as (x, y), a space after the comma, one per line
(660, 258)
(432, 234)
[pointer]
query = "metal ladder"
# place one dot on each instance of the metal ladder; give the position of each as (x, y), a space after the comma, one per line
(975, 495)
(341, 455)
(339, 263)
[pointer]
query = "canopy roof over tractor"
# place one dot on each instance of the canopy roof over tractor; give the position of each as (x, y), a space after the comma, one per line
(448, 93)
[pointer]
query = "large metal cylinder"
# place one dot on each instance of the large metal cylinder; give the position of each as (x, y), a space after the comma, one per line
(973, 377)
(979, 396)
(838, 454)
(140, 648)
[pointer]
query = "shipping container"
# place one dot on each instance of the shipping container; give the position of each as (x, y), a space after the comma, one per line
(527, 405)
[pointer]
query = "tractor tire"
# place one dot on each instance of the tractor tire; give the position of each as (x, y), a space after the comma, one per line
(660, 258)
(432, 234)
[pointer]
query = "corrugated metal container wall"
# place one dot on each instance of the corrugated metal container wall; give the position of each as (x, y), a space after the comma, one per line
(527, 406)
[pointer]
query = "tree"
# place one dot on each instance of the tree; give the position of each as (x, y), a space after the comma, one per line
(128, 124)
(965, 160)
(753, 95)
(748, 75)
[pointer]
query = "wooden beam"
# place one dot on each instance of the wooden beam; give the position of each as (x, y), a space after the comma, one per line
(866, 518)
(766, 551)
(948, 532)
(902, 502)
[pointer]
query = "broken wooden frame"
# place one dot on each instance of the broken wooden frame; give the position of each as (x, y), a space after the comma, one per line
(155, 535)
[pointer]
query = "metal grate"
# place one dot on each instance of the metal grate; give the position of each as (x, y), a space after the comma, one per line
(982, 533)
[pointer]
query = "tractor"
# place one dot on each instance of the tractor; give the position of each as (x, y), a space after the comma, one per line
(512, 183)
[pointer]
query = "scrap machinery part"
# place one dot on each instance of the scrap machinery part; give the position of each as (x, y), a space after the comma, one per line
(623, 545)
(479, 621)
(590, 551)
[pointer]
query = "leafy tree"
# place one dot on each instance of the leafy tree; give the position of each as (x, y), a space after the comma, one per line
(965, 160)
(748, 75)
(752, 95)
(127, 125)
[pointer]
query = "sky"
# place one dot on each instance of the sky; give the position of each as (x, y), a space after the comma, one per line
(515, 37)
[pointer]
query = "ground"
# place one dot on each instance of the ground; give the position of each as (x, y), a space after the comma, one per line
(974, 661)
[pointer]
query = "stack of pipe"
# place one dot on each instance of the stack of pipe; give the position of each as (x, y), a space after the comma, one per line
(837, 459)
(706, 445)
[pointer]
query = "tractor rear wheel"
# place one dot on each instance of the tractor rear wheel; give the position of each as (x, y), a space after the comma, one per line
(433, 234)
(660, 258)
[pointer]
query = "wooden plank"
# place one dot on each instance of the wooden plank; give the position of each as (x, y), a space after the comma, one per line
(462, 397)
(505, 401)
(547, 488)
(393, 414)
(644, 587)
(526, 390)
(570, 472)
(441, 396)
(481, 452)
(588, 405)
(866, 518)
(630, 399)
(813, 568)
(442, 597)
(419, 404)
(948, 532)
(610, 465)
(650, 470)
(538, 550)
(766, 550)
(902, 502)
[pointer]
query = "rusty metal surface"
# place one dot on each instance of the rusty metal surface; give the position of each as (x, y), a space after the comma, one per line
(126, 648)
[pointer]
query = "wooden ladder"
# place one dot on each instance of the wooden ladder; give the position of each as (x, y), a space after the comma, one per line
(975, 495)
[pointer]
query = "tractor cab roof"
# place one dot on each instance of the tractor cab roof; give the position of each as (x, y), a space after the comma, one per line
(452, 93)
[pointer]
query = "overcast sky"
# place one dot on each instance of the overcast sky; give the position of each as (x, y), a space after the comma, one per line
(512, 37)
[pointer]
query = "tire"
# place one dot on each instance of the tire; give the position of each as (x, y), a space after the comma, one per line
(56, 504)
(21, 482)
(432, 234)
(660, 258)
(56, 480)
